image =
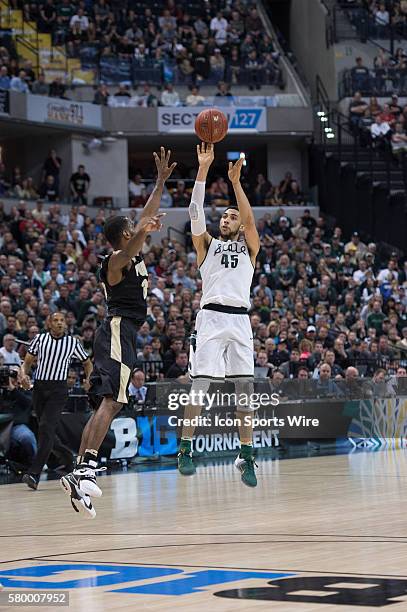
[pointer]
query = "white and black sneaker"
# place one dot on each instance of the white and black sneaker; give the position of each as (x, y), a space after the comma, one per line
(79, 500)
(86, 477)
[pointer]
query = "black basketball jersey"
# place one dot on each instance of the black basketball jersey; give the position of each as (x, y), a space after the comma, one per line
(127, 298)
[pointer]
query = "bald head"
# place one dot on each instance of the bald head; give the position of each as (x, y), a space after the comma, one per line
(351, 373)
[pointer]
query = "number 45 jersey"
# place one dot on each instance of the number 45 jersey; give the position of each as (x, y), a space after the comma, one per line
(127, 298)
(227, 273)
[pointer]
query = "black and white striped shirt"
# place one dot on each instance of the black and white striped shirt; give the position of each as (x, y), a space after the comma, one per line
(54, 355)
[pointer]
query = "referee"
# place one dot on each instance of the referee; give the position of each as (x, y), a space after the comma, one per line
(54, 351)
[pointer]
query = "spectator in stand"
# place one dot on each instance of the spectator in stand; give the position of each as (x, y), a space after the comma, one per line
(380, 131)
(79, 185)
(262, 189)
(4, 78)
(81, 19)
(386, 115)
(180, 198)
(399, 140)
(52, 167)
(217, 63)
(293, 195)
(101, 95)
(355, 247)
(123, 92)
(253, 23)
(19, 83)
(219, 28)
(180, 367)
(40, 87)
(201, 63)
(49, 190)
(57, 89)
(137, 190)
(357, 108)
(382, 20)
(253, 67)
(8, 352)
(170, 97)
(137, 388)
(195, 98)
(360, 76)
(48, 17)
(147, 98)
(224, 92)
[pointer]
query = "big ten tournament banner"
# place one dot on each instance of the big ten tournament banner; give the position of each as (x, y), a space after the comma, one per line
(240, 119)
(4, 101)
(63, 112)
(366, 424)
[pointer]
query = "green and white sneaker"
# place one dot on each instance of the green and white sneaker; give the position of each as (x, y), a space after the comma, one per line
(246, 464)
(185, 464)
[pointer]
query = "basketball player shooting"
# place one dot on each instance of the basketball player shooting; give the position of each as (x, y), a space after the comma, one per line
(124, 278)
(224, 339)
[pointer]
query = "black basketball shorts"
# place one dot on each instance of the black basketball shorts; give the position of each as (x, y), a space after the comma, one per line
(114, 359)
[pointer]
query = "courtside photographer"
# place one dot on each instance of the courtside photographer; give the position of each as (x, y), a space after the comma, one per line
(17, 440)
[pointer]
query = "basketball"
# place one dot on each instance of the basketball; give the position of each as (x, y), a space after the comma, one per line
(211, 125)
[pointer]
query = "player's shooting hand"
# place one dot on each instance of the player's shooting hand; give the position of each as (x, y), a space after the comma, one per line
(150, 224)
(206, 154)
(235, 170)
(164, 171)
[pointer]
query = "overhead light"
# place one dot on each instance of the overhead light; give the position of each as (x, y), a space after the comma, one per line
(330, 135)
(327, 129)
(324, 119)
(321, 113)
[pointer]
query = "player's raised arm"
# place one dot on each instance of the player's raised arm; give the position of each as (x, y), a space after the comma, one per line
(200, 236)
(164, 171)
(246, 213)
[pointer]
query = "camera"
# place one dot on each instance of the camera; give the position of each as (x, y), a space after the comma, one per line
(6, 373)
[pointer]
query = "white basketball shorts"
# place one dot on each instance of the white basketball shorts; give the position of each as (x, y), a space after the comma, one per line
(224, 346)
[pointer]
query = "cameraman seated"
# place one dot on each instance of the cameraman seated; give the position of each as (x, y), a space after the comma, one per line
(15, 401)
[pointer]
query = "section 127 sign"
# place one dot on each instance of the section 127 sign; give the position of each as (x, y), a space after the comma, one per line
(182, 119)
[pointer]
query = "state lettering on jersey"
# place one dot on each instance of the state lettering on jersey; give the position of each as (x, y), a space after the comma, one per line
(230, 247)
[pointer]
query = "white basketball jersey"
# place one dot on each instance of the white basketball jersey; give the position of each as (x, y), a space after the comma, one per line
(227, 273)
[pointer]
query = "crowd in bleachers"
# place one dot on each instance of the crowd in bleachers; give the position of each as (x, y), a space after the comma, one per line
(160, 42)
(378, 19)
(386, 75)
(262, 192)
(383, 125)
(15, 184)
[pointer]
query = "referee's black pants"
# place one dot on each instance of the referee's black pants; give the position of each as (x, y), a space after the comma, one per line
(49, 399)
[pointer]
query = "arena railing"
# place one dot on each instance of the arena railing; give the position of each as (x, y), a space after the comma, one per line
(363, 26)
(351, 137)
(378, 82)
(287, 391)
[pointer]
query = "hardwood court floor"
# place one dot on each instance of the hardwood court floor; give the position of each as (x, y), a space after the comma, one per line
(337, 524)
